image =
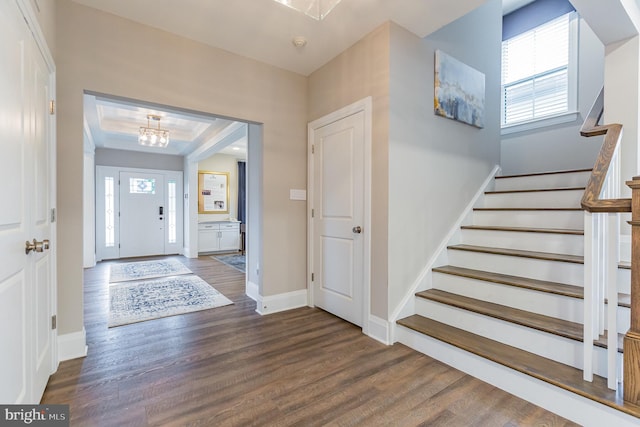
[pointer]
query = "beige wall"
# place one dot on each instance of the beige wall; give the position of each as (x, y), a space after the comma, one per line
(436, 165)
(361, 71)
(223, 163)
(103, 53)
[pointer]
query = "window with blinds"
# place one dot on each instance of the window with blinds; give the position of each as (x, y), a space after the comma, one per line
(536, 75)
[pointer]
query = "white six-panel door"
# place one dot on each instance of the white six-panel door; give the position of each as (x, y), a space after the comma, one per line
(26, 184)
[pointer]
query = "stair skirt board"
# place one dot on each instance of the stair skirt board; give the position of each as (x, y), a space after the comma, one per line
(572, 406)
(541, 181)
(572, 244)
(546, 303)
(422, 281)
(553, 271)
(535, 199)
(554, 347)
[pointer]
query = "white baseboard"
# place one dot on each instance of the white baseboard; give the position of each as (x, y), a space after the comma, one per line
(252, 291)
(89, 261)
(566, 404)
(72, 346)
(281, 302)
(379, 329)
(187, 253)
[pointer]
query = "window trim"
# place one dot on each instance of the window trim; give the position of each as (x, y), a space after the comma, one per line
(572, 91)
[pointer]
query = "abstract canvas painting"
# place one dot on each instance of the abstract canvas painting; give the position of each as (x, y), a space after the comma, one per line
(459, 90)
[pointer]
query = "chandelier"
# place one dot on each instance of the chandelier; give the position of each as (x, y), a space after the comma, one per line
(317, 9)
(153, 137)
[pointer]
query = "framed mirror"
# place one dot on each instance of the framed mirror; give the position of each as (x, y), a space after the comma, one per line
(213, 192)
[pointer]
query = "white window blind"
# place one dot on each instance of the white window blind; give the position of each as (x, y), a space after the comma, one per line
(535, 72)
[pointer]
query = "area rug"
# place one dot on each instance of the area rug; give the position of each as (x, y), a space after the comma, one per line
(133, 302)
(124, 272)
(236, 261)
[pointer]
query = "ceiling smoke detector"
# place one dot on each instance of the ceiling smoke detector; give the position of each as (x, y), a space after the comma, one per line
(299, 41)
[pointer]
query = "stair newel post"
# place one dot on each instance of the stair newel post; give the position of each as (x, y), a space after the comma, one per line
(632, 338)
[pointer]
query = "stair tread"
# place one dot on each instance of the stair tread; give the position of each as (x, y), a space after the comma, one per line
(521, 282)
(540, 322)
(571, 291)
(542, 173)
(535, 190)
(525, 229)
(576, 259)
(544, 369)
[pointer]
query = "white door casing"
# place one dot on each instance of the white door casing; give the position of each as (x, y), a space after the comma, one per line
(141, 221)
(27, 180)
(339, 217)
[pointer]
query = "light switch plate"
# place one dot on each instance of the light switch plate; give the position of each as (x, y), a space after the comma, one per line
(297, 194)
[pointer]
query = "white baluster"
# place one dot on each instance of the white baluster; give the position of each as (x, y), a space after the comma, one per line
(589, 295)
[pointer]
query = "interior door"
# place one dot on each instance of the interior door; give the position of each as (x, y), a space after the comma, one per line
(26, 185)
(43, 261)
(142, 214)
(338, 263)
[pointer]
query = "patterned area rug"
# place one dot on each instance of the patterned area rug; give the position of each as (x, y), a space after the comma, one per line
(151, 299)
(124, 272)
(236, 261)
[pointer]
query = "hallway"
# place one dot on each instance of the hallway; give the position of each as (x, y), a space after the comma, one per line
(231, 366)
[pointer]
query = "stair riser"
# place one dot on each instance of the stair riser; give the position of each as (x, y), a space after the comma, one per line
(558, 306)
(624, 280)
(532, 219)
(553, 271)
(575, 179)
(560, 349)
(544, 199)
(624, 320)
(569, 244)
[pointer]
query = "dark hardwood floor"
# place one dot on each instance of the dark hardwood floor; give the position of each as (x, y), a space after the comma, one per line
(229, 366)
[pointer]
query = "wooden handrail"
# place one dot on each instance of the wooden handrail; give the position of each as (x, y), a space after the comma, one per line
(591, 201)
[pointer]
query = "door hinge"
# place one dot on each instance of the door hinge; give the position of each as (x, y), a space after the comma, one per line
(53, 214)
(52, 107)
(54, 322)
(313, 149)
(312, 277)
(313, 213)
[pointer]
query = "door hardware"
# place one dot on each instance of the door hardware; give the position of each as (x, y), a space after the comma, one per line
(36, 246)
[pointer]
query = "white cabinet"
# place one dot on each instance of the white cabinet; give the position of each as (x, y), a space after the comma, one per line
(218, 236)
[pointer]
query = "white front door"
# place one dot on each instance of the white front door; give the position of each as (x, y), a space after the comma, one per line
(142, 214)
(338, 203)
(27, 183)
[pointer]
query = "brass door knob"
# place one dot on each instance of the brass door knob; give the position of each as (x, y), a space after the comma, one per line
(35, 246)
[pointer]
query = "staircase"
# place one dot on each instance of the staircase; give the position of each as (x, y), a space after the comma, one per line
(511, 297)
